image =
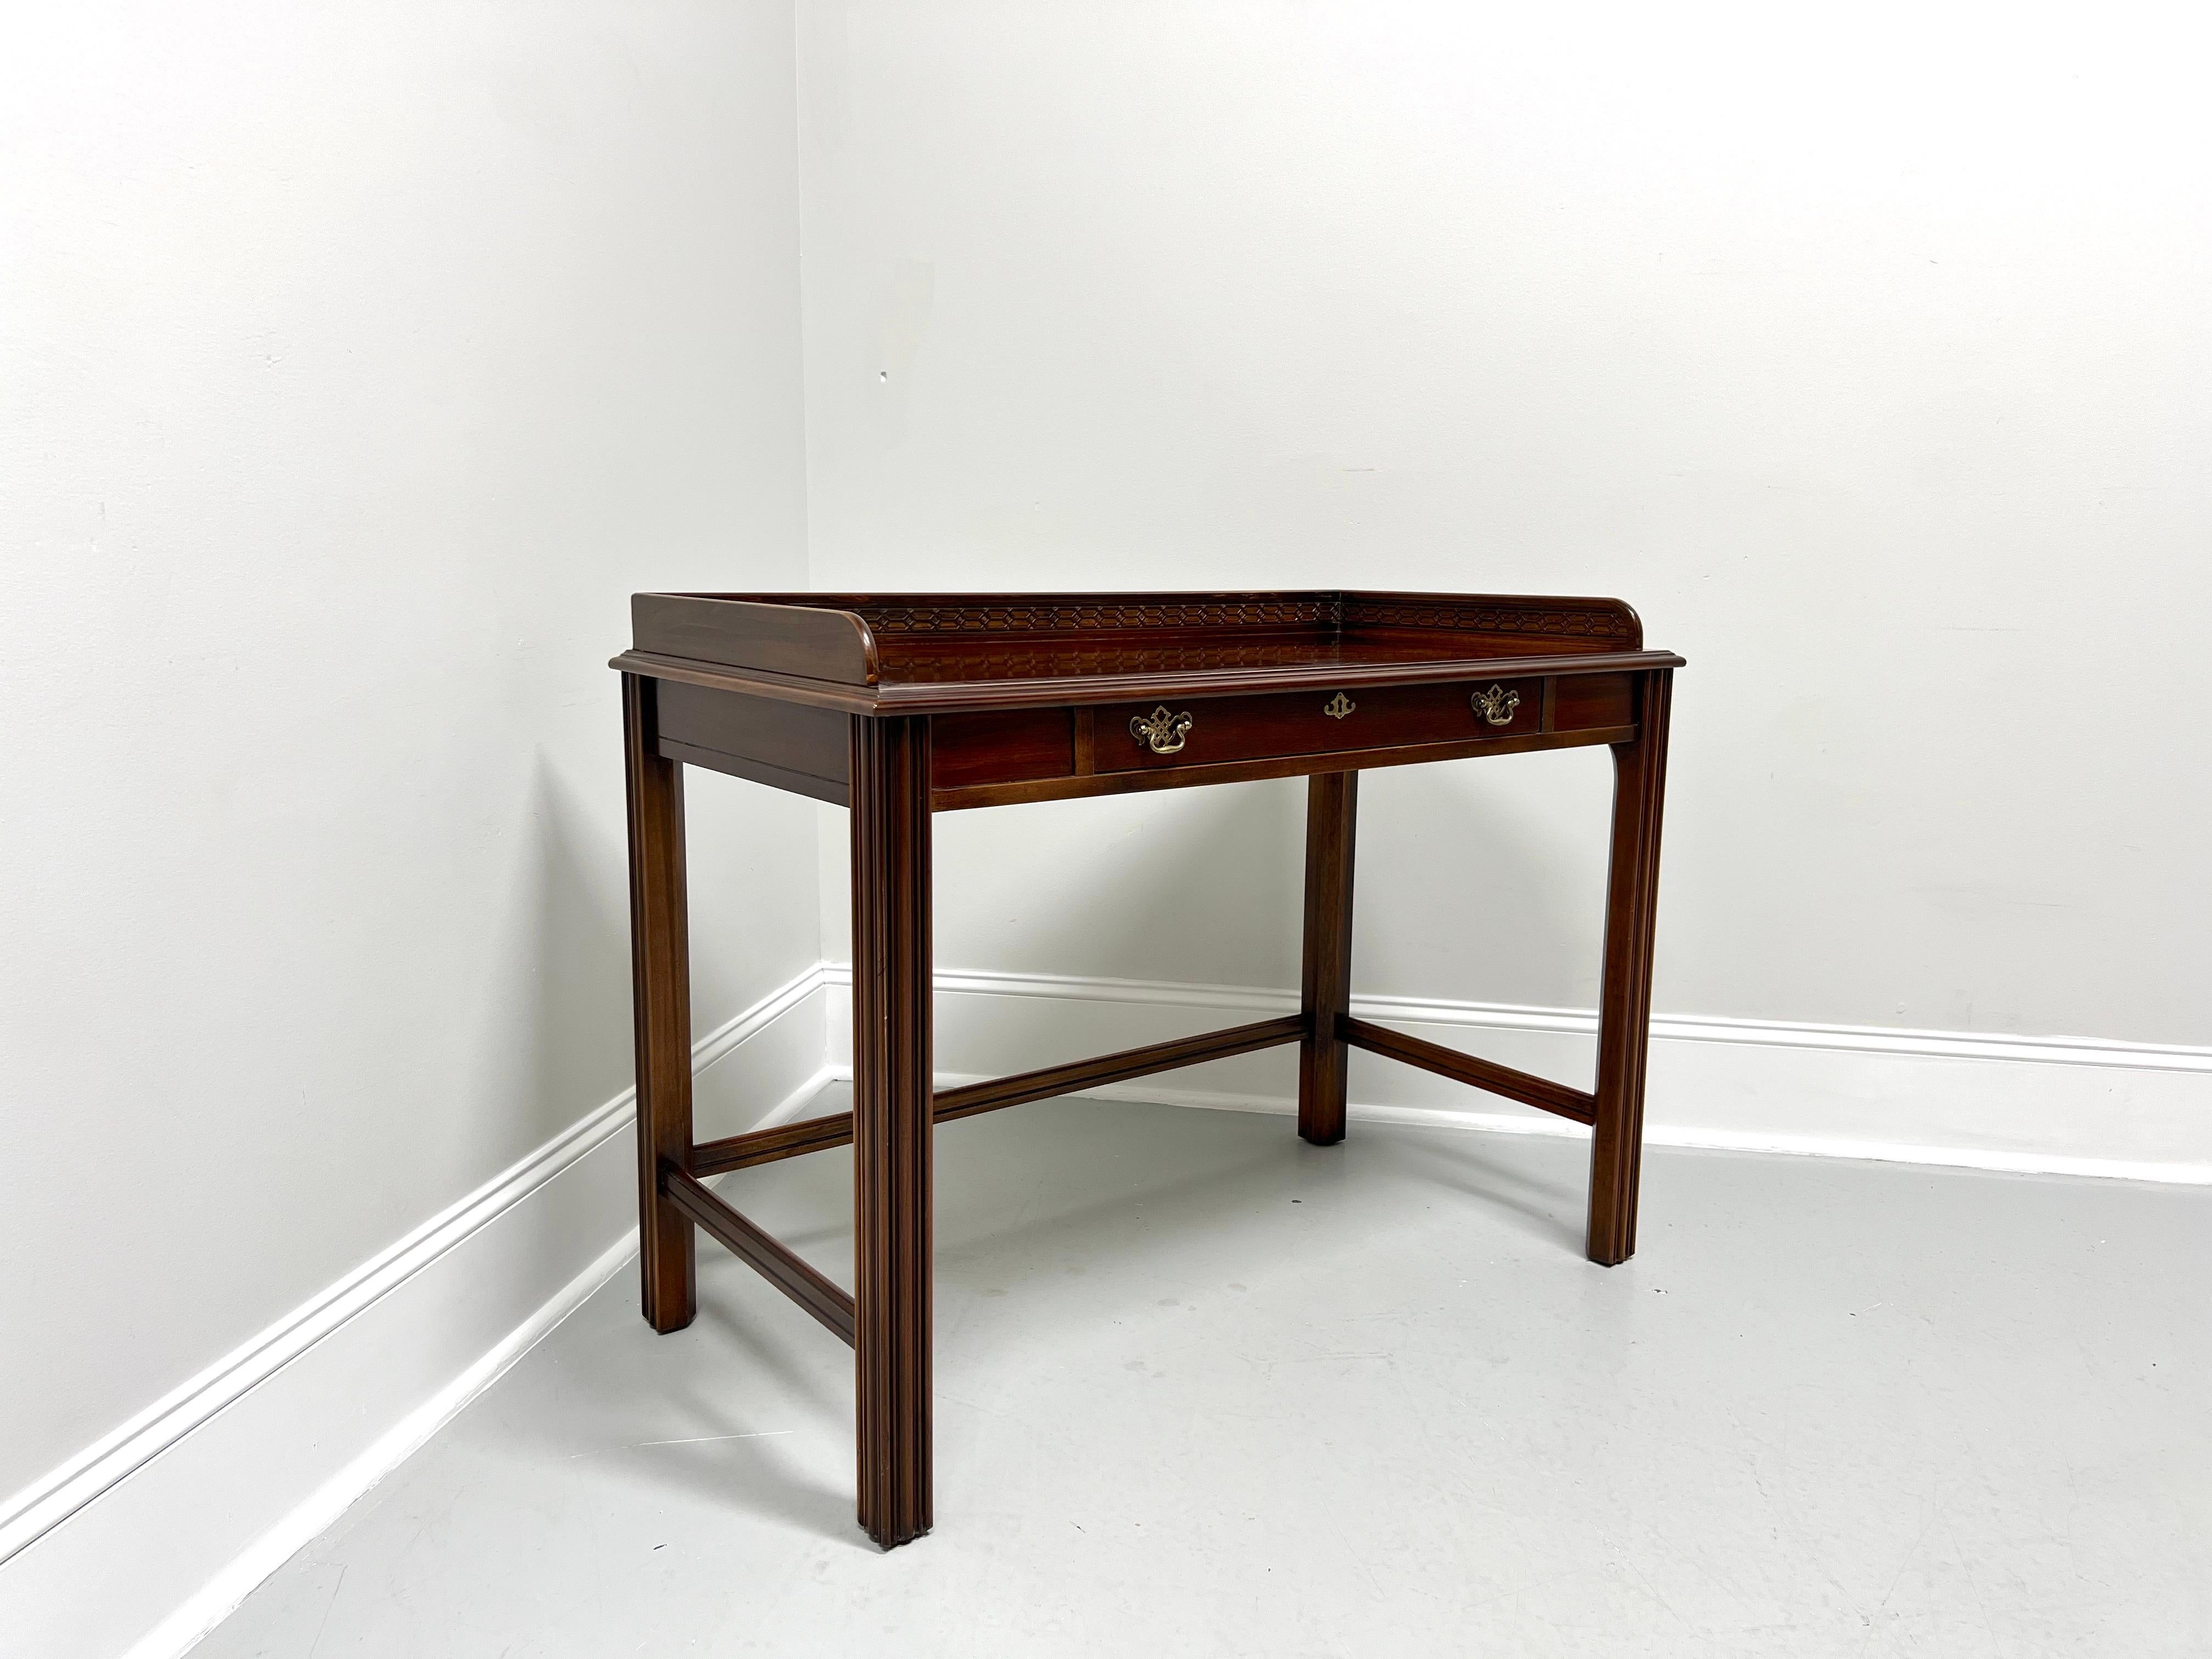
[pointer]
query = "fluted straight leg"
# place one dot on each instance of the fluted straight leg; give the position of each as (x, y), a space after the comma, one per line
(892, 1081)
(661, 997)
(1325, 993)
(1639, 772)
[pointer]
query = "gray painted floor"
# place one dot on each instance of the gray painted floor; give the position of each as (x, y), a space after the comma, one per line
(1203, 1390)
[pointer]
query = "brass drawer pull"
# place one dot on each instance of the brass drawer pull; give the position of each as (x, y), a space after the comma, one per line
(1496, 705)
(1338, 706)
(1161, 732)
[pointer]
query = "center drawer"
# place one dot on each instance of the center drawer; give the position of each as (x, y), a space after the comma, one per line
(1198, 731)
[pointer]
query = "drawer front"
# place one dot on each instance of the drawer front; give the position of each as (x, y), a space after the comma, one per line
(1199, 732)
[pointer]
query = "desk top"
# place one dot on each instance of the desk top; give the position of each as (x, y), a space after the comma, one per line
(915, 653)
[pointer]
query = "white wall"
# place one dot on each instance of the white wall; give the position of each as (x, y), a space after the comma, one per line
(1864, 350)
(355, 365)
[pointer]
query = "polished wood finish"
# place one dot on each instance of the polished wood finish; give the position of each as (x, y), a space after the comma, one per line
(898, 706)
(1583, 702)
(816, 1134)
(892, 1103)
(1112, 677)
(866, 638)
(799, 1280)
(1540, 1092)
(784, 745)
(1082, 1074)
(781, 636)
(1003, 746)
(1325, 982)
(743, 1151)
(1624, 1033)
(660, 971)
(1279, 766)
(945, 653)
(1040, 753)
(1501, 621)
(1086, 723)
(1226, 729)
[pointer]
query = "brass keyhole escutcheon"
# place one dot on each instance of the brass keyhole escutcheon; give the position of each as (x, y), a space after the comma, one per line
(1496, 705)
(1160, 731)
(1338, 706)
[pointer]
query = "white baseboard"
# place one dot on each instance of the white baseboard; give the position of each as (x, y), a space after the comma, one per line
(214, 1601)
(2079, 1106)
(144, 1540)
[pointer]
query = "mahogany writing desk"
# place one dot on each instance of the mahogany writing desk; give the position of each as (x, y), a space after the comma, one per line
(897, 706)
